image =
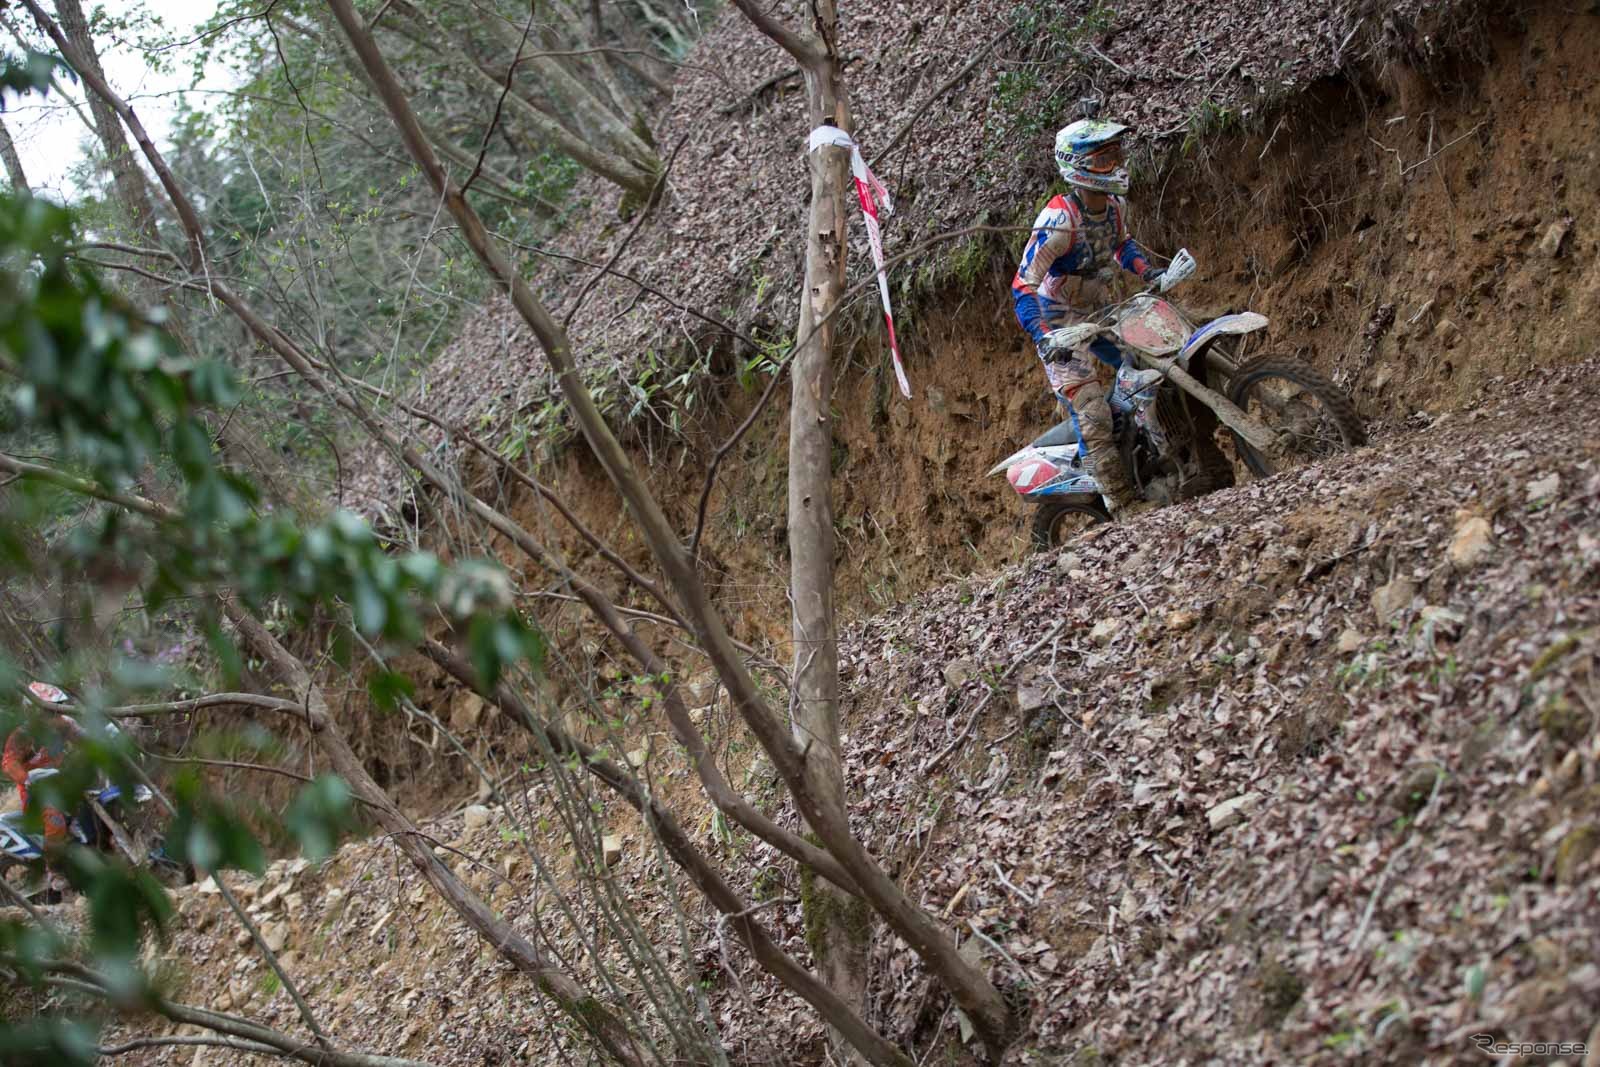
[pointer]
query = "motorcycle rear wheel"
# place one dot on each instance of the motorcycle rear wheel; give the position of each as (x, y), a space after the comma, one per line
(1288, 396)
(1059, 519)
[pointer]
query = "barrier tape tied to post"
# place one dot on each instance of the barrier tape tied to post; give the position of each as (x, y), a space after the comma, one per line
(872, 194)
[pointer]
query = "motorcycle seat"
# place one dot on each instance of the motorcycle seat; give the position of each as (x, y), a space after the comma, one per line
(1059, 434)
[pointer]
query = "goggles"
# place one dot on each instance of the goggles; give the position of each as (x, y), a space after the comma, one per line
(1105, 159)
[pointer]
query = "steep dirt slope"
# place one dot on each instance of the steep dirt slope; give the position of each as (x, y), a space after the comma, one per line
(1417, 230)
(1302, 772)
(1421, 230)
(1310, 767)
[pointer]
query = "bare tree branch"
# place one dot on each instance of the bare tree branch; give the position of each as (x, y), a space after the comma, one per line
(834, 1010)
(816, 802)
(84, 487)
(235, 1043)
(211, 700)
(587, 1011)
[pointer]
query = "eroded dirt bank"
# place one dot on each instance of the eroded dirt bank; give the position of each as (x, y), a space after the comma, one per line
(1424, 235)
(1417, 235)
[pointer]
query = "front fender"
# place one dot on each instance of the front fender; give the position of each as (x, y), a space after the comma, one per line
(1244, 322)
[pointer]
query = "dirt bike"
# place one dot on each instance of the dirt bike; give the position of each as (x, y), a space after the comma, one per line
(1177, 382)
(100, 822)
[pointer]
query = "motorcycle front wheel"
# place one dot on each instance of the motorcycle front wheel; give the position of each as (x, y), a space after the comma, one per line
(1290, 398)
(1061, 518)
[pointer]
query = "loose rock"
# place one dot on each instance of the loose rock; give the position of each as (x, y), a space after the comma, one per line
(958, 672)
(1473, 541)
(1181, 620)
(275, 935)
(1574, 851)
(1554, 237)
(1232, 811)
(1031, 697)
(1544, 488)
(477, 817)
(1392, 597)
(1105, 631)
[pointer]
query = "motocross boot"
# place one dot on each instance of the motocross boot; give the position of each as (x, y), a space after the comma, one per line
(1215, 471)
(1103, 459)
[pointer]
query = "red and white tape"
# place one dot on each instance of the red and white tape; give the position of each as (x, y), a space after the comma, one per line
(872, 194)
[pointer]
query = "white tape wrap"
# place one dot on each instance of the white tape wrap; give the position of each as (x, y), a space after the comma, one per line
(873, 197)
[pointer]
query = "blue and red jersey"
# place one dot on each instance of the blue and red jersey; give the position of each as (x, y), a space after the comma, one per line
(1061, 247)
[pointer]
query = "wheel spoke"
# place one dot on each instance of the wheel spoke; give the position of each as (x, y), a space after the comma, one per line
(1295, 401)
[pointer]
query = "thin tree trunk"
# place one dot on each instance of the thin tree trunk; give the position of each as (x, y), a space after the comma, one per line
(132, 188)
(490, 177)
(821, 809)
(665, 23)
(609, 164)
(14, 171)
(629, 36)
(838, 926)
(565, 80)
(599, 64)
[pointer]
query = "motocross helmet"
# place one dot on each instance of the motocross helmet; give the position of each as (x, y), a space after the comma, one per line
(1089, 156)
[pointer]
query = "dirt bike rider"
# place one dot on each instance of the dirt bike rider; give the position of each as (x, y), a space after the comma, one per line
(22, 755)
(1084, 234)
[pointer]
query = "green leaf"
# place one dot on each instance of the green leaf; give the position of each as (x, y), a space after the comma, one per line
(508, 642)
(320, 815)
(191, 448)
(28, 945)
(424, 570)
(341, 648)
(388, 688)
(57, 1041)
(484, 650)
(142, 351)
(209, 834)
(32, 74)
(121, 901)
(368, 606)
(211, 384)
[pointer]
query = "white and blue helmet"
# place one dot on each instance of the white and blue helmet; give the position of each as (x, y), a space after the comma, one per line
(1077, 149)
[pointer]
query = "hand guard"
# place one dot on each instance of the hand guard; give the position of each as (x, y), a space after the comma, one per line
(1059, 345)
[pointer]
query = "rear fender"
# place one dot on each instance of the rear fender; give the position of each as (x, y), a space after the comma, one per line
(14, 843)
(1244, 322)
(1057, 455)
(1067, 483)
(1012, 460)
